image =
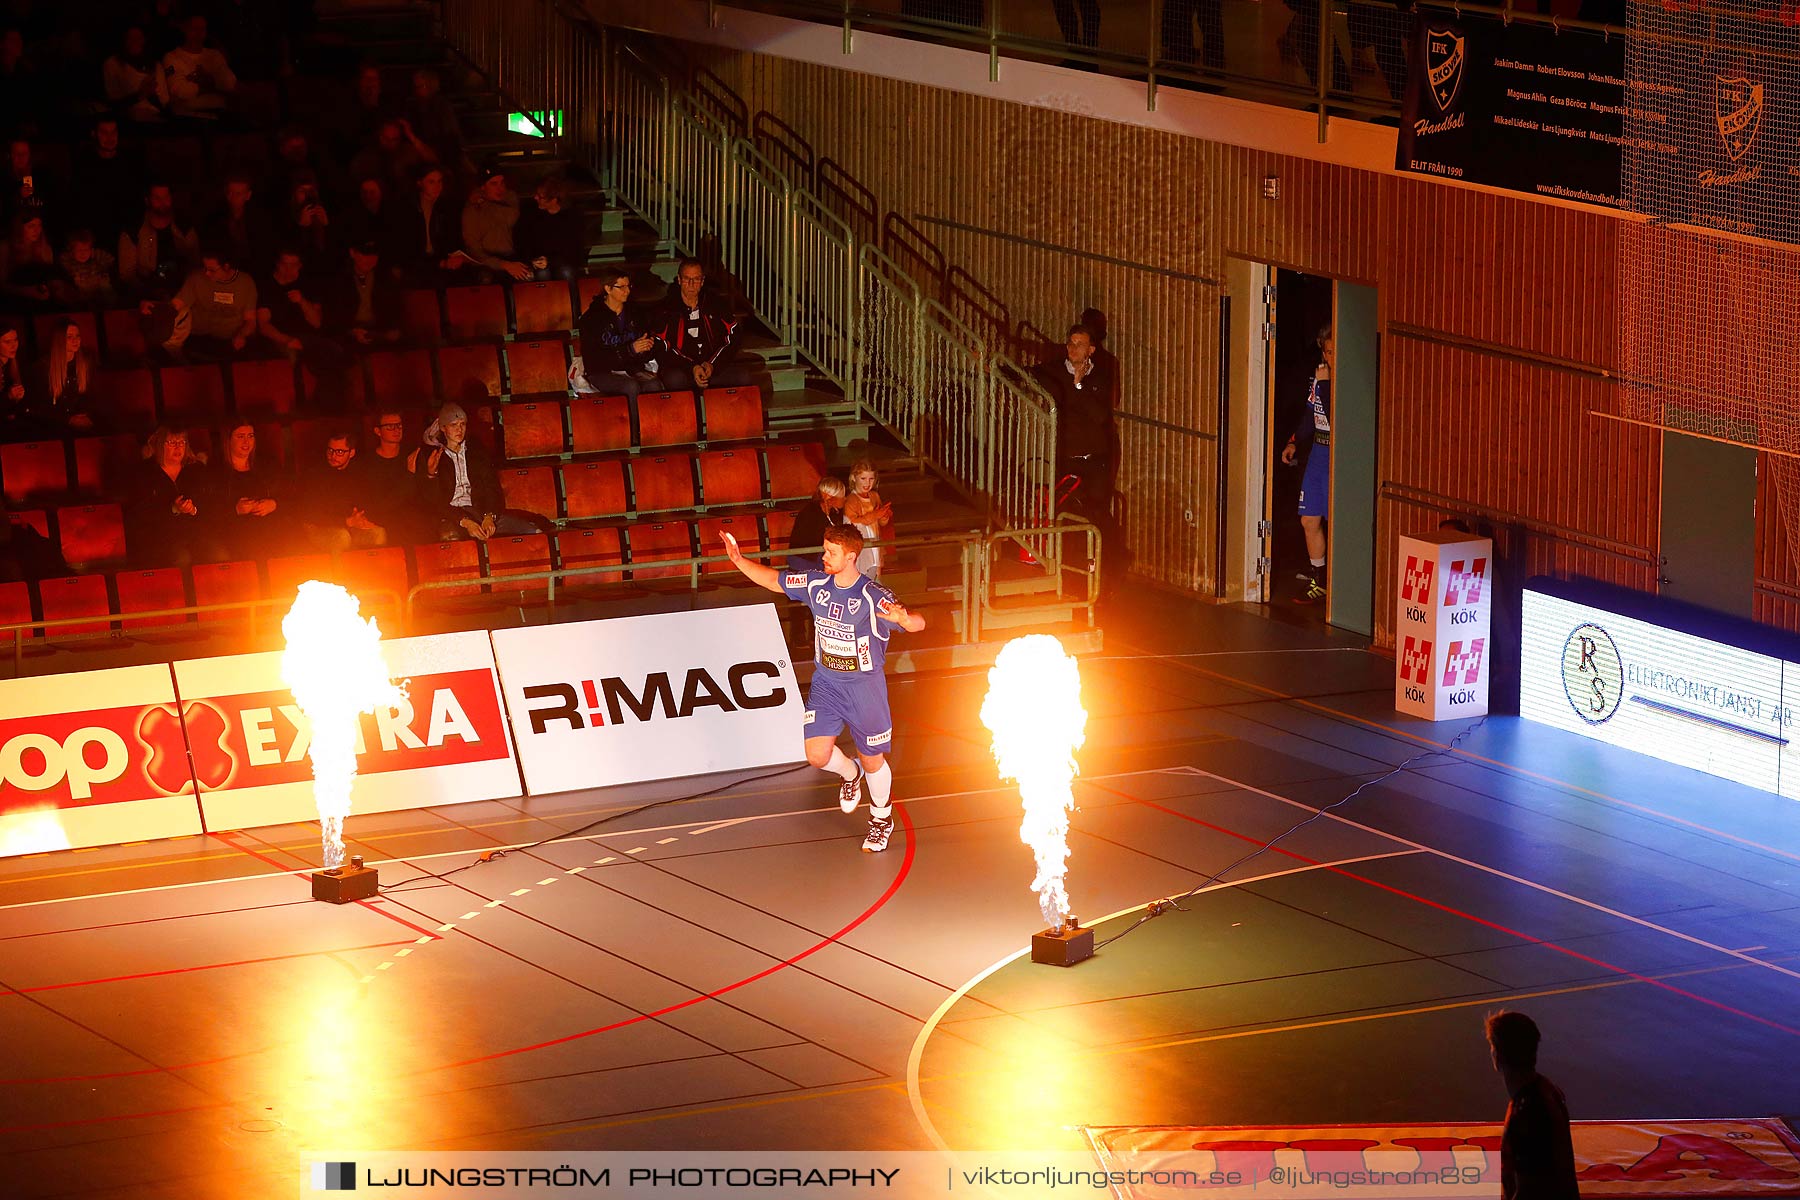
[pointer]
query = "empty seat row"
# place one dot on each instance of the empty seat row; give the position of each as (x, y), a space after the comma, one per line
(382, 578)
(659, 483)
(596, 424)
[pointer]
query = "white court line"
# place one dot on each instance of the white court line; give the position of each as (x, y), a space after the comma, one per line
(917, 1053)
(1595, 905)
(561, 841)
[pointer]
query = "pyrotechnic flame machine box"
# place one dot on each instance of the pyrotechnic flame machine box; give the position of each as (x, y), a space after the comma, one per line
(341, 885)
(1064, 946)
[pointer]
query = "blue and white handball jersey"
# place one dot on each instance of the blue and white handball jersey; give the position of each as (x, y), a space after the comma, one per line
(847, 637)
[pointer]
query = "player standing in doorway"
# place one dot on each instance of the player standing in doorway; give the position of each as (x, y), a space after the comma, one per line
(1314, 430)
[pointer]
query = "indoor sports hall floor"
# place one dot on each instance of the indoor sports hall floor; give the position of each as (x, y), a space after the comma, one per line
(180, 1019)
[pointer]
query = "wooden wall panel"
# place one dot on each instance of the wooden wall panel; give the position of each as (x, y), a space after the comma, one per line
(1051, 212)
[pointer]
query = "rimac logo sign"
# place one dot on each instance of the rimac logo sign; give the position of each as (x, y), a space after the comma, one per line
(334, 1177)
(1593, 674)
(613, 700)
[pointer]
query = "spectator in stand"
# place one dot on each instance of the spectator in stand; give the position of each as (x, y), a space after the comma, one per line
(618, 355)
(27, 190)
(487, 227)
(14, 411)
(106, 181)
(811, 522)
(433, 118)
(873, 518)
(63, 404)
(292, 316)
(365, 306)
(295, 164)
(21, 93)
(393, 482)
(162, 517)
(393, 156)
(27, 264)
(1086, 437)
(89, 278)
(156, 256)
(136, 85)
(368, 110)
(461, 486)
(367, 220)
(428, 235)
(245, 499)
(215, 310)
(242, 227)
(552, 237)
(309, 224)
(334, 500)
(696, 333)
(161, 22)
(199, 80)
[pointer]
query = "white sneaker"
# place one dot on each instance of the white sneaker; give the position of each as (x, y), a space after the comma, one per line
(850, 792)
(880, 830)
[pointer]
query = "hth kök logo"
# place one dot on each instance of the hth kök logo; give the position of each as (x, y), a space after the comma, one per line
(1415, 585)
(1466, 663)
(1464, 587)
(1415, 661)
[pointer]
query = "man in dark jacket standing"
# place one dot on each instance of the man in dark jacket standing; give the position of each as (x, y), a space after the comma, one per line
(697, 332)
(1084, 428)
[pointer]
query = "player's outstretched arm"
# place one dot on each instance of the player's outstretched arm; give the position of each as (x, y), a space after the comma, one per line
(900, 615)
(760, 574)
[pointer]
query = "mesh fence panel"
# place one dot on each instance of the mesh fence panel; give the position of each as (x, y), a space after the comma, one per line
(887, 345)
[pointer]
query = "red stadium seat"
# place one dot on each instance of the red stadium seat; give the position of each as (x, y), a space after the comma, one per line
(127, 396)
(468, 373)
(151, 591)
(794, 470)
(541, 307)
(15, 609)
(223, 583)
(354, 383)
(730, 477)
(475, 312)
(262, 387)
(74, 596)
(32, 470)
(289, 571)
(437, 561)
(104, 463)
(660, 542)
(530, 489)
(93, 535)
(246, 152)
(522, 555)
(123, 330)
(577, 549)
(36, 518)
(599, 423)
(663, 483)
(195, 393)
(733, 414)
(377, 576)
(667, 419)
(309, 438)
(420, 319)
(532, 430)
(401, 376)
(779, 525)
(533, 368)
(587, 287)
(181, 160)
(45, 326)
(595, 489)
(712, 540)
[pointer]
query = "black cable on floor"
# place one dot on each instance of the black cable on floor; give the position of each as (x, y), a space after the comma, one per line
(1157, 908)
(491, 855)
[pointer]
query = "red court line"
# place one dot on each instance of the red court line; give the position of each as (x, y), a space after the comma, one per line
(165, 1112)
(1522, 936)
(306, 872)
(899, 878)
(241, 962)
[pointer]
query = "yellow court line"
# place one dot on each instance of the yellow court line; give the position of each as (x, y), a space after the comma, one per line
(1500, 764)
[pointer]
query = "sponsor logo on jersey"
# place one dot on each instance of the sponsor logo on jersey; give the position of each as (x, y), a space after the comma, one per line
(796, 579)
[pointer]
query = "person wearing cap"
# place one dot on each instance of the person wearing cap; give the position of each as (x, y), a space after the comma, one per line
(461, 486)
(487, 227)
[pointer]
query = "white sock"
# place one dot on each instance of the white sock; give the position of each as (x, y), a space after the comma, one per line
(840, 763)
(1317, 562)
(881, 786)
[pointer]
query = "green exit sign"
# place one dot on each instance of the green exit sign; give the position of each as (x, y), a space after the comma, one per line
(535, 124)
